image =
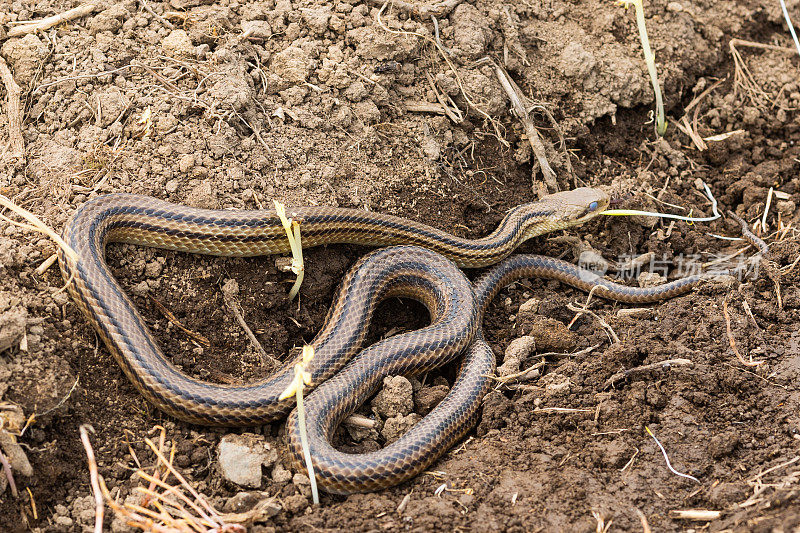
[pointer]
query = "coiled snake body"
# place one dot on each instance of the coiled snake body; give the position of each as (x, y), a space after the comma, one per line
(343, 375)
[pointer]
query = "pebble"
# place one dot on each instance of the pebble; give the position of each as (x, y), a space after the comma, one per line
(426, 398)
(257, 29)
(64, 521)
(178, 44)
(242, 456)
(280, 474)
(296, 503)
(396, 397)
(396, 427)
(12, 324)
(650, 279)
(292, 64)
(517, 351)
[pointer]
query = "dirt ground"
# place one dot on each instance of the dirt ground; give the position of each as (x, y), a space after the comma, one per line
(230, 105)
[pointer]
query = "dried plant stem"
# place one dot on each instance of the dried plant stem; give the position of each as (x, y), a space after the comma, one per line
(94, 478)
(732, 341)
(33, 26)
(440, 9)
(650, 60)
(13, 114)
(520, 110)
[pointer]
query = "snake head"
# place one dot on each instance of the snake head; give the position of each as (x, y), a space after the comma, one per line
(562, 210)
(579, 205)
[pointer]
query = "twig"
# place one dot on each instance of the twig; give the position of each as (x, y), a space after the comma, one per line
(359, 421)
(520, 110)
(424, 107)
(47, 263)
(774, 468)
(171, 317)
(495, 124)
(35, 416)
(9, 474)
(643, 520)
(612, 335)
(741, 74)
(13, 113)
(404, 503)
(732, 341)
(47, 23)
(229, 291)
(440, 9)
(699, 515)
(167, 24)
(644, 368)
(99, 508)
(666, 458)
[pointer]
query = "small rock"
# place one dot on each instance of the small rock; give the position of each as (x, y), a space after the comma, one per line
(64, 521)
(24, 56)
(396, 398)
(232, 90)
(111, 104)
(296, 503)
(723, 444)
(431, 148)
(530, 306)
(242, 502)
(203, 195)
(367, 112)
(356, 92)
(517, 351)
(7, 255)
(185, 163)
(375, 43)
(109, 19)
(396, 427)
(259, 29)
(550, 334)
(726, 493)
(470, 30)
(242, 456)
(576, 61)
(178, 44)
(280, 474)
(426, 398)
(555, 384)
(292, 64)
(650, 279)
(60, 298)
(317, 19)
(171, 186)
(153, 269)
(16, 456)
(359, 434)
(786, 207)
(13, 318)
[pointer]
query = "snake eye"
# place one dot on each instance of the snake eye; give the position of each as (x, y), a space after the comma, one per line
(592, 206)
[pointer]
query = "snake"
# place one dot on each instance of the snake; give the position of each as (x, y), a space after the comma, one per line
(415, 260)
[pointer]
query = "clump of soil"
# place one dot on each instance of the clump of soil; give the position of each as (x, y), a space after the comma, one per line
(231, 105)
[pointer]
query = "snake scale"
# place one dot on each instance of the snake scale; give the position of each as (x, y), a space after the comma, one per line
(420, 262)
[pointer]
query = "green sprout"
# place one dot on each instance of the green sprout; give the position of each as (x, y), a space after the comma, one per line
(791, 26)
(650, 60)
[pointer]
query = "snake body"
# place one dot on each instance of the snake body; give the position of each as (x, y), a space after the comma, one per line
(424, 267)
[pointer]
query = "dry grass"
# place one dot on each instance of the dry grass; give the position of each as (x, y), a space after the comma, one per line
(168, 504)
